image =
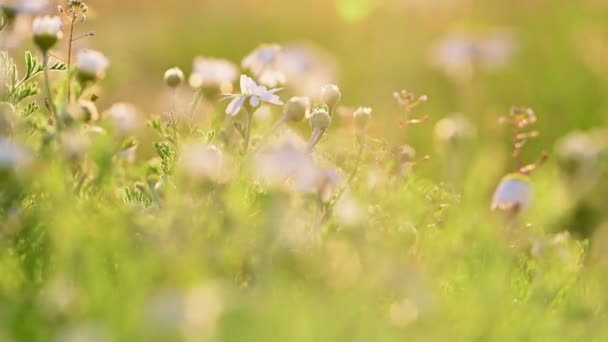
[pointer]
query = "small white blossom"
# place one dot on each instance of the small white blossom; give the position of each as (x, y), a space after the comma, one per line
(460, 54)
(514, 193)
(124, 117)
(205, 162)
(212, 73)
(91, 65)
(263, 63)
(11, 155)
(24, 6)
(47, 31)
(252, 92)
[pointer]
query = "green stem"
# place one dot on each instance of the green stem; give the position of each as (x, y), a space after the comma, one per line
(248, 130)
(70, 41)
(45, 61)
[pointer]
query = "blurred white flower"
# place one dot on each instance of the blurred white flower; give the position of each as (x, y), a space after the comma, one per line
(124, 117)
(205, 162)
(12, 155)
(47, 30)
(203, 307)
(453, 129)
(263, 63)
(288, 163)
(579, 155)
(514, 193)
(212, 73)
(74, 143)
(460, 54)
(302, 67)
(255, 94)
(14, 34)
(23, 6)
(91, 65)
(306, 67)
(349, 211)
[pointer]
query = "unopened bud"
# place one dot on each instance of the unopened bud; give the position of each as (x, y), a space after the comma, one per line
(47, 31)
(296, 108)
(174, 77)
(320, 119)
(330, 95)
(361, 118)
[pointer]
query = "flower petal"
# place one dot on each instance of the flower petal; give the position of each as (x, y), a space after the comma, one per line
(254, 101)
(235, 105)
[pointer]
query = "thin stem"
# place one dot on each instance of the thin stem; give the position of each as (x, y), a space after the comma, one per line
(69, 63)
(196, 99)
(248, 130)
(314, 138)
(45, 61)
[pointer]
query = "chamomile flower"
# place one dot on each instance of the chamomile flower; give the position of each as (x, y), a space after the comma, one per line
(210, 72)
(514, 193)
(252, 95)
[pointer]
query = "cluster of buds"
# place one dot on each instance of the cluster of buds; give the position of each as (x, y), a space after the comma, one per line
(408, 101)
(321, 117)
(76, 10)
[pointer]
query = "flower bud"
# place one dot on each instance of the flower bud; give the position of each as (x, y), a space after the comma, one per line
(296, 108)
(361, 118)
(330, 95)
(514, 193)
(83, 110)
(47, 31)
(91, 66)
(174, 77)
(320, 119)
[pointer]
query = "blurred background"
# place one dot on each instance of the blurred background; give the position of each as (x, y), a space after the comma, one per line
(476, 57)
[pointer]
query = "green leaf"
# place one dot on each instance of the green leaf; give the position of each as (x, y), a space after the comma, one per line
(30, 109)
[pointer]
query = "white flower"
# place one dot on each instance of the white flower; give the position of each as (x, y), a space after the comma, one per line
(212, 73)
(204, 162)
(306, 67)
(514, 193)
(11, 155)
(255, 94)
(47, 31)
(47, 25)
(92, 65)
(124, 117)
(24, 6)
(460, 54)
(263, 63)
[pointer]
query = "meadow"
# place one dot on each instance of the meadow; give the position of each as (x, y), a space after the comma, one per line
(328, 170)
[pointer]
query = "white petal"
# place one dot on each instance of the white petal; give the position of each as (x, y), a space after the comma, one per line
(235, 105)
(254, 101)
